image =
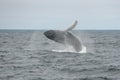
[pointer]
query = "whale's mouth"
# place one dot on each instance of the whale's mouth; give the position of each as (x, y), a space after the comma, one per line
(45, 33)
(50, 34)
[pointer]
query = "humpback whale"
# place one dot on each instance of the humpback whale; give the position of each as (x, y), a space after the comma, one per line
(65, 37)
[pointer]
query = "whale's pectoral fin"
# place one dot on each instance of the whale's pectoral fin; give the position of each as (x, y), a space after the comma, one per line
(73, 41)
(72, 26)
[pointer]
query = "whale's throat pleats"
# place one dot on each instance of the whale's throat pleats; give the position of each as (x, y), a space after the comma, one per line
(73, 41)
(68, 38)
(60, 37)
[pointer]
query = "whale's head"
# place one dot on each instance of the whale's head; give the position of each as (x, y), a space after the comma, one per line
(50, 34)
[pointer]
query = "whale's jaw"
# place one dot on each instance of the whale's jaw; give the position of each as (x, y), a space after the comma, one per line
(50, 34)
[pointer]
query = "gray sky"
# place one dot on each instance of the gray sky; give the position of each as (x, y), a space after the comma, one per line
(59, 14)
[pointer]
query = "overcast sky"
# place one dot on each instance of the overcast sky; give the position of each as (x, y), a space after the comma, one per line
(59, 14)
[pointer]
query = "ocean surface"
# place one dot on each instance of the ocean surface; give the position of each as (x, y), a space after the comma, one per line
(29, 55)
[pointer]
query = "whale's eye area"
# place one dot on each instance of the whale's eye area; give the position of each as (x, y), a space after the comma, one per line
(50, 34)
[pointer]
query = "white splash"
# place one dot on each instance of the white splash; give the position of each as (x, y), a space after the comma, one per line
(69, 49)
(84, 50)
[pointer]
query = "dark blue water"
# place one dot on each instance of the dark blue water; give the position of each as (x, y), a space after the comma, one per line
(28, 55)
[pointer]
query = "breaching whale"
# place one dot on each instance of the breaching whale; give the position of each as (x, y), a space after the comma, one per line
(65, 37)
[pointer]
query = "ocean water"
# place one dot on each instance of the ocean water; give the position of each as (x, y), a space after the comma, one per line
(29, 55)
